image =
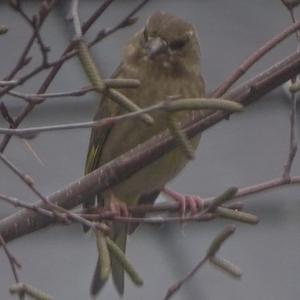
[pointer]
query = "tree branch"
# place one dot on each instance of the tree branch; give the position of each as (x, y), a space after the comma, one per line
(112, 173)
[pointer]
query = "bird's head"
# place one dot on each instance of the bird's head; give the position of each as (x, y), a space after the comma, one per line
(167, 41)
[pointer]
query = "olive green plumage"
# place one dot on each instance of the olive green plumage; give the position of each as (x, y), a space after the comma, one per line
(165, 57)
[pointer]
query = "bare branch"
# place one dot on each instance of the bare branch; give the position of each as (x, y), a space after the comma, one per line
(129, 163)
(293, 112)
(176, 105)
(212, 250)
(253, 58)
(14, 263)
(24, 59)
(110, 83)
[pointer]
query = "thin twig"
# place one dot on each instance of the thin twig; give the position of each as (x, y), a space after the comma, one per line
(35, 23)
(64, 217)
(118, 83)
(97, 214)
(48, 213)
(293, 113)
(253, 58)
(25, 178)
(24, 60)
(267, 185)
(14, 263)
(176, 105)
(292, 139)
(54, 208)
(128, 20)
(212, 250)
(96, 15)
(202, 216)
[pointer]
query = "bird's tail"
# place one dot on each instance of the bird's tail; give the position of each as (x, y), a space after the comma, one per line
(97, 281)
(119, 236)
(120, 232)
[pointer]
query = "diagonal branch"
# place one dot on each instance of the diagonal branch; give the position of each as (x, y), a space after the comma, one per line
(24, 221)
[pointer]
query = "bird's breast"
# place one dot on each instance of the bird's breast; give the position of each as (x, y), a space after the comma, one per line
(155, 87)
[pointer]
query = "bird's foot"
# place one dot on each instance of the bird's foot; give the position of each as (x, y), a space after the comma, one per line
(118, 207)
(188, 203)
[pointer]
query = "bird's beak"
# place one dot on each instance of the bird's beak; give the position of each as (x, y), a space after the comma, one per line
(156, 46)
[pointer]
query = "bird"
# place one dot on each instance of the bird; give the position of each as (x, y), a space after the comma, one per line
(165, 57)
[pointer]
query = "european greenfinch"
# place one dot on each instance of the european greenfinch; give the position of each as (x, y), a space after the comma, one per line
(165, 57)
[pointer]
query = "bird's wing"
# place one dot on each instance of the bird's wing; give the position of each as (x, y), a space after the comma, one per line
(99, 136)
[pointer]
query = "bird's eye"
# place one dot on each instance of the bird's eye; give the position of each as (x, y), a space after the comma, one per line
(145, 34)
(177, 44)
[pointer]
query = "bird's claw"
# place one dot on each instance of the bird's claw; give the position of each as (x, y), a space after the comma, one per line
(118, 207)
(191, 204)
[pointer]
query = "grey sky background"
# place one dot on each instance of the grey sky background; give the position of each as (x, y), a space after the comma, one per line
(249, 148)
